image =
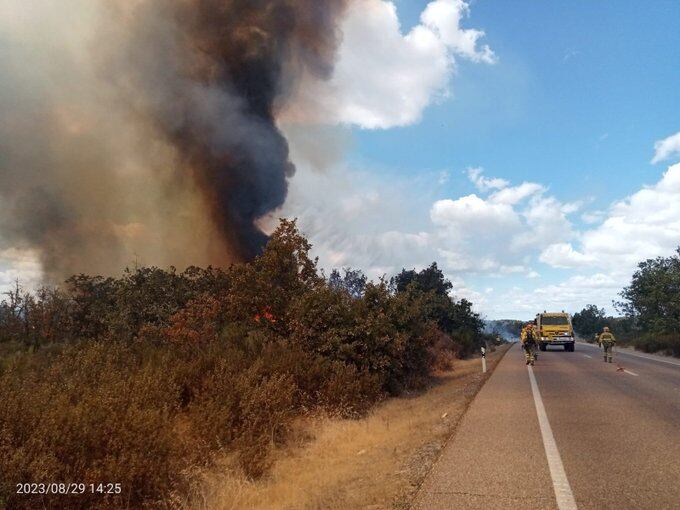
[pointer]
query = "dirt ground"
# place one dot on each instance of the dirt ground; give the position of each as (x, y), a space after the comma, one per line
(377, 462)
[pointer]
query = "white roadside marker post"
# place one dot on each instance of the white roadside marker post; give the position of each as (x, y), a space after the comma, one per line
(484, 360)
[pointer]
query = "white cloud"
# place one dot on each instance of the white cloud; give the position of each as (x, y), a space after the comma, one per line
(471, 216)
(384, 78)
(666, 148)
(485, 184)
(571, 295)
(593, 216)
(512, 269)
(504, 194)
(444, 17)
(464, 261)
(644, 225)
(382, 227)
(516, 194)
(563, 255)
(500, 231)
(545, 221)
(571, 207)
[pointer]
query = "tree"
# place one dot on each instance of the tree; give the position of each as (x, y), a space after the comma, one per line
(14, 314)
(653, 296)
(266, 287)
(429, 279)
(589, 321)
(455, 318)
(353, 282)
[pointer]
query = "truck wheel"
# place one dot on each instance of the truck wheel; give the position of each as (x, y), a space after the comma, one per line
(543, 346)
(569, 347)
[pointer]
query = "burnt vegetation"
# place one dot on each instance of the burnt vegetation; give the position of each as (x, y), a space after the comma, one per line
(145, 379)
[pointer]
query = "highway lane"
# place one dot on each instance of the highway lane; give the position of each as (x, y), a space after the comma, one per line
(657, 370)
(617, 434)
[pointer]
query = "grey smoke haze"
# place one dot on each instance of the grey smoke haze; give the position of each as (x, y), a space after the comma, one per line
(146, 130)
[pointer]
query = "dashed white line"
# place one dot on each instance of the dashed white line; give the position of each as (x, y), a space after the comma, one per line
(629, 372)
(587, 356)
(637, 355)
(563, 494)
(650, 358)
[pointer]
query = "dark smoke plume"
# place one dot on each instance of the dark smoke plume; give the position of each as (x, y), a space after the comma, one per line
(148, 128)
(237, 50)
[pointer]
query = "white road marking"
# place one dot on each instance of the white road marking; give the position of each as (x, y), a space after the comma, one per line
(629, 372)
(650, 358)
(588, 356)
(563, 495)
(637, 355)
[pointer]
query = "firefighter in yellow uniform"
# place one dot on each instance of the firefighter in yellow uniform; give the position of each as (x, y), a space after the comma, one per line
(528, 339)
(607, 341)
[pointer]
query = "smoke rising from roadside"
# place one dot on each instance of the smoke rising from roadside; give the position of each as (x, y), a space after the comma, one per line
(147, 130)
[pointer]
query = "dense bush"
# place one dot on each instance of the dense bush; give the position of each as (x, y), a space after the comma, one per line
(138, 380)
(430, 290)
(665, 343)
(93, 413)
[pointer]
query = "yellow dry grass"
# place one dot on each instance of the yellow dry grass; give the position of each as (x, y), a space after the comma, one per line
(376, 462)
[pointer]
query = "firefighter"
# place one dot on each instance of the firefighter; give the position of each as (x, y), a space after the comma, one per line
(607, 341)
(528, 339)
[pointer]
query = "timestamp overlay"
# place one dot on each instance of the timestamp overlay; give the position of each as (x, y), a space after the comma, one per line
(68, 488)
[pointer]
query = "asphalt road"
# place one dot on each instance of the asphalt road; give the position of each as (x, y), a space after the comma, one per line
(609, 436)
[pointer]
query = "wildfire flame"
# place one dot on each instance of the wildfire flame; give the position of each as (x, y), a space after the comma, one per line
(264, 315)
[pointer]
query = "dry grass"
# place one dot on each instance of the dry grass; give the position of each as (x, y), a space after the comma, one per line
(376, 462)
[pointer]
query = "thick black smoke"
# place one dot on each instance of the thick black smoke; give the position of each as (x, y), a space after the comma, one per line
(147, 129)
(239, 51)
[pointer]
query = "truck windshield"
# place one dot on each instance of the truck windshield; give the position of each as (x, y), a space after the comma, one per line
(554, 321)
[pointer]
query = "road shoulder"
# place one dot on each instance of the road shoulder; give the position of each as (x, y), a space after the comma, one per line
(496, 458)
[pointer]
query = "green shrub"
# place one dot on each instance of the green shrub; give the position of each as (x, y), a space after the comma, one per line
(666, 343)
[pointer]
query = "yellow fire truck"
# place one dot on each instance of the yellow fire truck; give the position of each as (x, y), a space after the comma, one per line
(554, 328)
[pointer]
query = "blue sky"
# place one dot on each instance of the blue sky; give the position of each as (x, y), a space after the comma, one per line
(580, 92)
(577, 97)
